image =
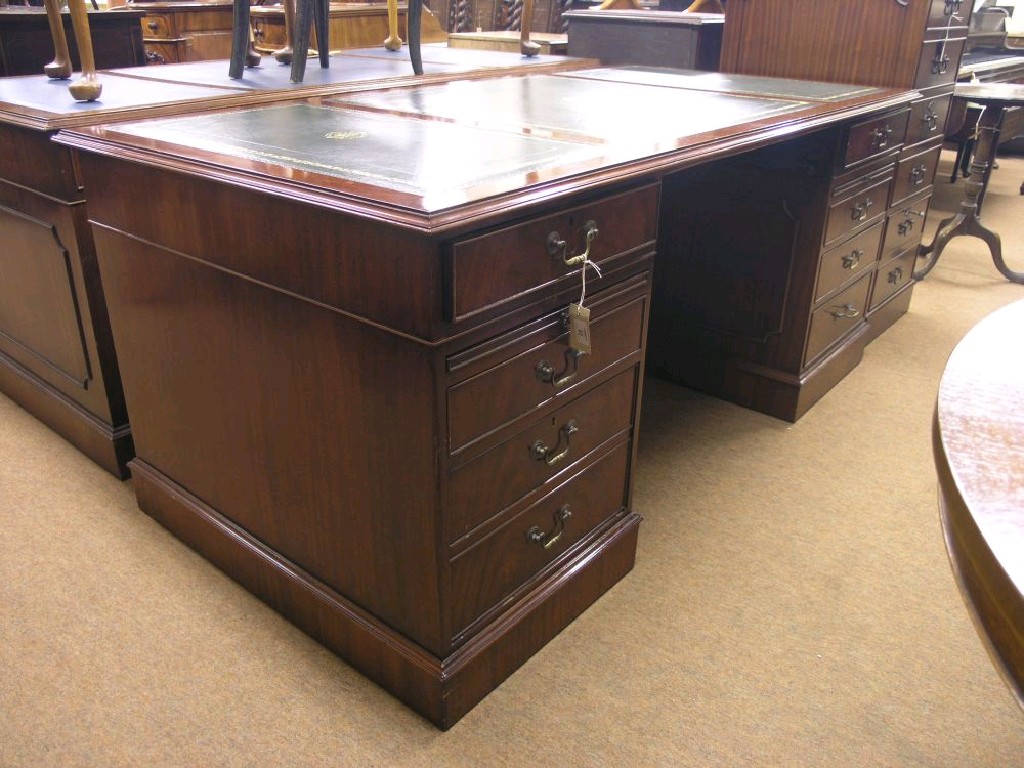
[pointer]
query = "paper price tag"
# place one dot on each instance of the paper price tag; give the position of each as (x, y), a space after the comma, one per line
(579, 328)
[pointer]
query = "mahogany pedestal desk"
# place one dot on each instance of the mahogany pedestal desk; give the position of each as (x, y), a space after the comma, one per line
(57, 357)
(978, 439)
(371, 414)
(995, 98)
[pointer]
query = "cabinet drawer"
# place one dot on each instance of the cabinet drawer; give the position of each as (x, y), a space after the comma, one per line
(939, 60)
(157, 26)
(837, 317)
(915, 173)
(949, 13)
(904, 227)
(169, 52)
(527, 368)
(853, 257)
(509, 263)
(927, 119)
(874, 137)
(893, 276)
(493, 481)
(490, 571)
(855, 204)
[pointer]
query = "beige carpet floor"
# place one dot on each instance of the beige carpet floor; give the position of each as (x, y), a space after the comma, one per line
(792, 604)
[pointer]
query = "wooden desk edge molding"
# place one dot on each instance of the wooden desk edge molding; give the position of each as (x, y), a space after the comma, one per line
(978, 441)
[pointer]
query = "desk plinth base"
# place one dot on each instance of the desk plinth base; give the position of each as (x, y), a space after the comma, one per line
(442, 690)
(109, 446)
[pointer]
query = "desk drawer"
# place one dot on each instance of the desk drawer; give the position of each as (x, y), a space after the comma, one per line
(939, 60)
(893, 276)
(508, 263)
(837, 317)
(855, 204)
(527, 368)
(841, 263)
(915, 173)
(875, 137)
(490, 571)
(495, 480)
(927, 119)
(948, 13)
(905, 226)
(157, 26)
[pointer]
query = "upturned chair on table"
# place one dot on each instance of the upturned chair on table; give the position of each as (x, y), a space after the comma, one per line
(88, 87)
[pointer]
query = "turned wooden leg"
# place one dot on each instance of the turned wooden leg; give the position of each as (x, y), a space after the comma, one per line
(88, 86)
(284, 55)
(321, 22)
(60, 67)
(300, 40)
(393, 41)
(239, 38)
(526, 46)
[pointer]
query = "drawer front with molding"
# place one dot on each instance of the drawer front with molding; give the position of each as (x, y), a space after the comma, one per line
(527, 368)
(837, 317)
(485, 574)
(904, 227)
(945, 14)
(498, 478)
(915, 173)
(874, 137)
(154, 25)
(939, 60)
(854, 205)
(842, 263)
(893, 276)
(927, 119)
(525, 258)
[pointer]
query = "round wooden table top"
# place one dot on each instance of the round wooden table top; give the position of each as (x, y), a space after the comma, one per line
(979, 456)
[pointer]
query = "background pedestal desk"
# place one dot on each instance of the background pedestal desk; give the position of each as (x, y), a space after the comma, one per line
(341, 326)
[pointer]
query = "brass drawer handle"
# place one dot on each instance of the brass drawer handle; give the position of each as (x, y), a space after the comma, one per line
(916, 175)
(547, 540)
(940, 64)
(859, 211)
(551, 456)
(907, 225)
(845, 311)
(930, 119)
(852, 259)
(557, 247)
(880, 137)
(895, 276)
(152, 26)
(952, 7)
(546, 371)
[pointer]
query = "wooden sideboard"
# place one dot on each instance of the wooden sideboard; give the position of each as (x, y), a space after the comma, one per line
(386, 431)
(176, 31)
(651, 38)
(351, 25)
(26, 45)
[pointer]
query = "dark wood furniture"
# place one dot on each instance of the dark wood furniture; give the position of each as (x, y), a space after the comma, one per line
(185, 31)
(351, 26)
(793, 341)
(1004, 67)
(647, 37)
(978, 440)
(26, 45)
(995, 99)
(57, 357)
(386, 432)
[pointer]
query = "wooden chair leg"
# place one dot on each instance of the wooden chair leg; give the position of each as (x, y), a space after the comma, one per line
(413, 23)
(393, 42)
(527, 47)
(239, 38)
(284, 55)
(60, 68)
(322, 22)
(300, 41)
(88, 86)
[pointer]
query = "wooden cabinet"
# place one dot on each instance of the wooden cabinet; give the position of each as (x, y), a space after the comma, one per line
(646, 37)
(26, 45)
(186, 31)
